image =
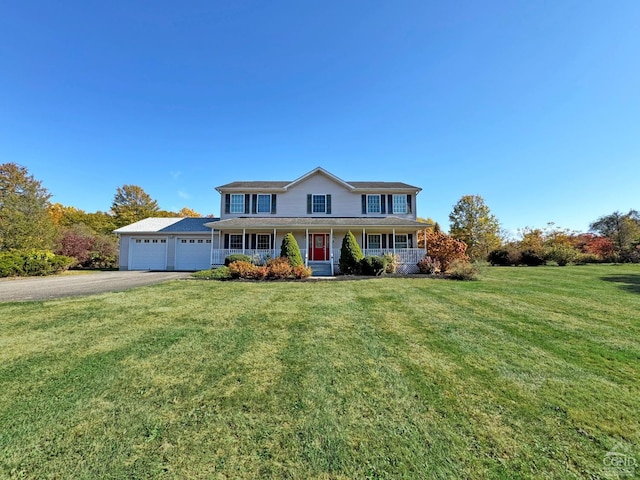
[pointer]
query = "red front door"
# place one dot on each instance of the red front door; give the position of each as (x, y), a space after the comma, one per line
(319, 247)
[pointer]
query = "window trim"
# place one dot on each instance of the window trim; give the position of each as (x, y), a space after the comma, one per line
(231, 243)
(370, 195)
(268, 210)
(379, 235)
(268, 235)
(402, 198)
(313, 204)
(240, 207)
(396, 242)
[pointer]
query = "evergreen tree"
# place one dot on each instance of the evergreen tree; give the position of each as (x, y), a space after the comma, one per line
(350, 255)
(290, 250)
(131, 203)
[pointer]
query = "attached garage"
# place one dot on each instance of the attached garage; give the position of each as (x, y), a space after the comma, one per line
(193, 253)
(148, 253)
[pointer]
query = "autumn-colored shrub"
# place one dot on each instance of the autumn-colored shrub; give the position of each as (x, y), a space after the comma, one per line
(242, 269)
(562, 254)
(392, 262)
(462, 270)
(300, 271)
(429, 265)
(445, 249)
(279, 268)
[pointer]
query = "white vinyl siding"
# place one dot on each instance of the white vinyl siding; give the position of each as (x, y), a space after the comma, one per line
(237, 203)
(264, 204)
(400, 204)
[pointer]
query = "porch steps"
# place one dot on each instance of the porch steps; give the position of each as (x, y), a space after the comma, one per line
(320, 269)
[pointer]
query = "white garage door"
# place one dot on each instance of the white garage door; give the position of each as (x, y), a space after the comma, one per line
(193, 253)
(148, 254)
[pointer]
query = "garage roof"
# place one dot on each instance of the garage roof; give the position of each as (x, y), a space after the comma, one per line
(169, 225)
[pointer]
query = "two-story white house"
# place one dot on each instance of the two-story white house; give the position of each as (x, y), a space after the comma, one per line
(318, 209)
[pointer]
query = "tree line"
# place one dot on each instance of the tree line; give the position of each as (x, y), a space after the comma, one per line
(611, 238)
(33, 230)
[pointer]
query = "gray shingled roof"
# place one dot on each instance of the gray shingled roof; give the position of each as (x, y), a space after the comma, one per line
(266, 185)
(304, 222)
(168, 225)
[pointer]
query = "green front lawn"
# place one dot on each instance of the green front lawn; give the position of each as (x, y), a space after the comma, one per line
(527, 373)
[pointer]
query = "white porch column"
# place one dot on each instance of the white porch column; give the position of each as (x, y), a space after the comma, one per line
(306, 254)
(211, 250)
(275, 237)
(393, 232)
(364, 241)
(425, 241)
(244, 232)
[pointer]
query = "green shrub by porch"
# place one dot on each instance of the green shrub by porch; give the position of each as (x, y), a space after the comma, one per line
(236, 257)
(373, 265)
(350, 255)
(290, 250)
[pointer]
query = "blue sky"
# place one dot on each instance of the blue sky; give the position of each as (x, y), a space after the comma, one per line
(533, 105)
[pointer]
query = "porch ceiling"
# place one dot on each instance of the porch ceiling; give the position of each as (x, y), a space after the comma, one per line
(316, 222)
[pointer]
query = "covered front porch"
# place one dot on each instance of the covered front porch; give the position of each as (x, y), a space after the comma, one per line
(319, 239)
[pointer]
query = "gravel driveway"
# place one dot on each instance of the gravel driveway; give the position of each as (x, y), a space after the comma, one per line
(44, 288)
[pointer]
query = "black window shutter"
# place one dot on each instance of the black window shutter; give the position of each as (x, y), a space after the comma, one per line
(273, 203)
(226, 240)
(382, 204)
(247, 201)
(384, 241)
(254, 203)
(409, 204)
(254, 241)
(247, 240)
(410, 240)
(390, 203)
(227, 203)
(366, 241)
(364, 205)
(328, 204)
(273, 240)
(392, 240)
(309, 203)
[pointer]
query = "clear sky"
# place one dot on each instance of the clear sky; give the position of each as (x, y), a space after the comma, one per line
(535, 105)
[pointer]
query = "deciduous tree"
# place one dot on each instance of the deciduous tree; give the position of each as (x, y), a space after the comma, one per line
(622, 229)
(473, 223)
(445, 249)
(25, 222)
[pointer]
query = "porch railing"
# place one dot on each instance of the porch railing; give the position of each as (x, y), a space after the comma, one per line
(406, 256)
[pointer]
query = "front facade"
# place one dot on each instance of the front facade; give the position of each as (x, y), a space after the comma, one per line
(317, 208)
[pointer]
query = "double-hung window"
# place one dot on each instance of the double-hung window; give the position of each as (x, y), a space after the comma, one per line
(374, 241)
(400, 204)
(237, 203)
(263, 242)
(373, 203)
(264, 204)
(401, 241)
(235, 242)
(319, 204)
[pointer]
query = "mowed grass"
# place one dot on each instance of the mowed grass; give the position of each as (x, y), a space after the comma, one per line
(527, 373)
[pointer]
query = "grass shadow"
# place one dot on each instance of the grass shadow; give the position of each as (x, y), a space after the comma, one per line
(630, 283)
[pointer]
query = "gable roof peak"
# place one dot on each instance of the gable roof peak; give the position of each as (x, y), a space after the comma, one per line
(321, 171)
